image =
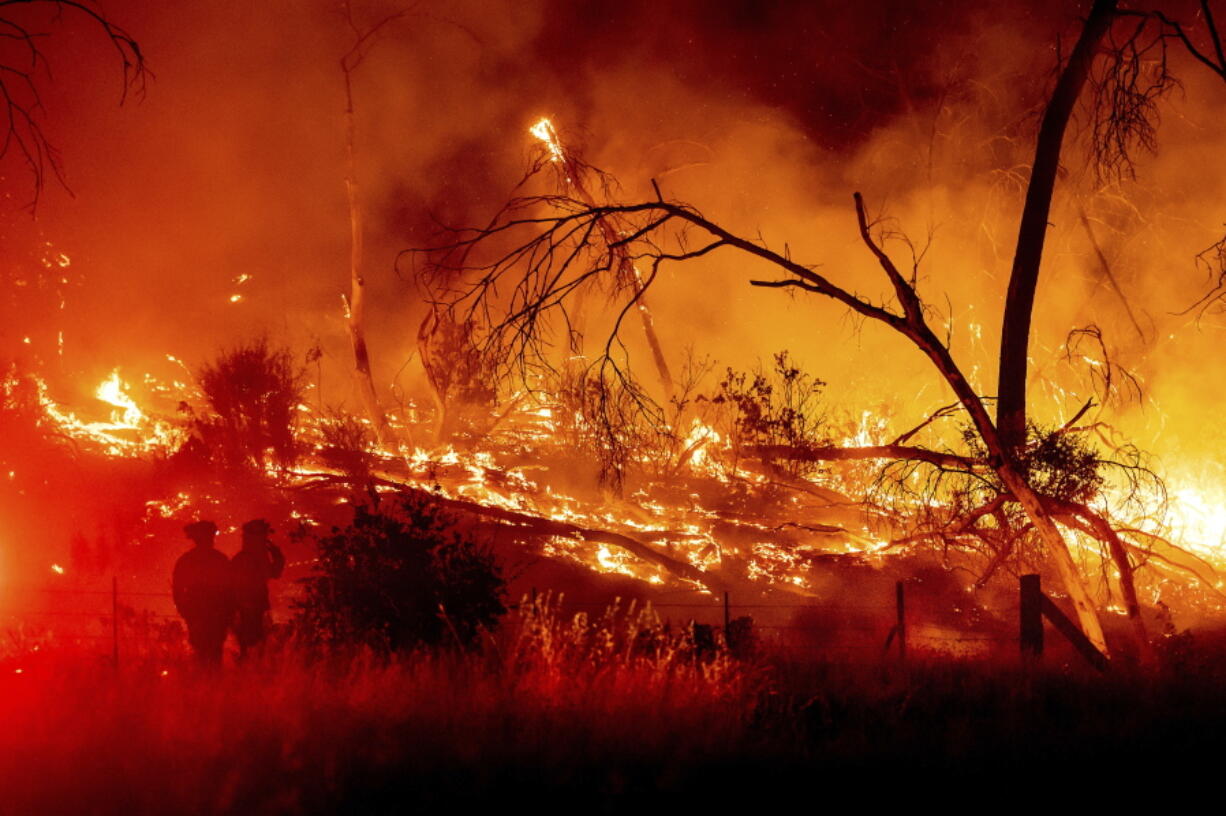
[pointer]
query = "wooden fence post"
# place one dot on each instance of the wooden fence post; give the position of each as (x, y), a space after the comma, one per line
(1035, 606)
(900, 600)
(115, 621)
(899, 629)
(1031, 617)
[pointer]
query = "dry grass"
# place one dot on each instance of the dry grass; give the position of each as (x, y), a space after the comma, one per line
(317, 734)
(611, 713)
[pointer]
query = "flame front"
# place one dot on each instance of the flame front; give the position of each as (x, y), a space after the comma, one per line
(113, 391)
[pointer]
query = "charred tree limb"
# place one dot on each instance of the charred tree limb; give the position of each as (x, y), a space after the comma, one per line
(539, 526)
(785, 284)
(1212, 260)
(1215, 62)
(1177, 558)
(573, 176)
(1071, 425)
(1105, 266)
(904, 290)
(778, 476)
(940, 413)
(840, 454)
(1098, 527)
(998, 560)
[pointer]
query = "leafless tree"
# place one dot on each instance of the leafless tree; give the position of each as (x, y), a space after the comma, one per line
(355, 303)
(559, 251)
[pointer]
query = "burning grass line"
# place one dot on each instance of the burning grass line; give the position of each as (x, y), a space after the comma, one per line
(539, 526)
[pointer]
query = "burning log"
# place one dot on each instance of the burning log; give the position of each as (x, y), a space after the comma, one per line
(530, 525)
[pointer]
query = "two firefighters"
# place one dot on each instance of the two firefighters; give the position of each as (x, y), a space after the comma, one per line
(214, 593)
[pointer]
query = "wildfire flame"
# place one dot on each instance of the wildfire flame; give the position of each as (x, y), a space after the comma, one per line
(545, 131)
(687, 527)
(113, 391)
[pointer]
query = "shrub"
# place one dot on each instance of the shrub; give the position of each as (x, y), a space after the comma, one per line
(779, 407)
(254, 391)
(400, 577)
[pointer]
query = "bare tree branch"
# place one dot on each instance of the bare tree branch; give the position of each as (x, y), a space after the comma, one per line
(20, 101)
(557, 256)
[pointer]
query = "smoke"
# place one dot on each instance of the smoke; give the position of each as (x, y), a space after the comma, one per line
(767, 116)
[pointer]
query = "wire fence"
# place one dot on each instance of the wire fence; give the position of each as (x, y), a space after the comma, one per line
(808, 627)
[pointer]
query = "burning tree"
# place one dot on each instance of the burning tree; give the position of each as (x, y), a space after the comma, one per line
(520, 277)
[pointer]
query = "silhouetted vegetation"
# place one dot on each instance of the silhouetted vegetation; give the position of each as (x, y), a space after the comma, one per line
(253, 391)
(776, 407)
(602, 712)
(399, 576)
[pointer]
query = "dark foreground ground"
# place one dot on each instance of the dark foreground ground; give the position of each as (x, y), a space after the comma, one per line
(562, 723)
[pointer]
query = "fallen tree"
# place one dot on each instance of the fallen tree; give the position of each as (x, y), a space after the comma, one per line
(542, 251)
(562, 251)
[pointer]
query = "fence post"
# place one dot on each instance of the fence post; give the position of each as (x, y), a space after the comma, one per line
(1031, 617)
(901, 602)
(115, 621)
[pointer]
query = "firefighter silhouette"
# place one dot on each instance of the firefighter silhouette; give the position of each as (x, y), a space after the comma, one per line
(251, 569)
(203, 593)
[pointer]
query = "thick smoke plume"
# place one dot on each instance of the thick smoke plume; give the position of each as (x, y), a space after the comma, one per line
(213, 209)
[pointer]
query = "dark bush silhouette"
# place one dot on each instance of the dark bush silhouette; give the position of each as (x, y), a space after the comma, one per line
(398, 577)
(253, 391)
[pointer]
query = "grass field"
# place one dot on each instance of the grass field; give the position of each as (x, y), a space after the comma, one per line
(612, 714)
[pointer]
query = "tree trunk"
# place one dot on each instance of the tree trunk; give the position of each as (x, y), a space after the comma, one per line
(1002, 462)
(1019, 303)
(357, 284)
(912, 325)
